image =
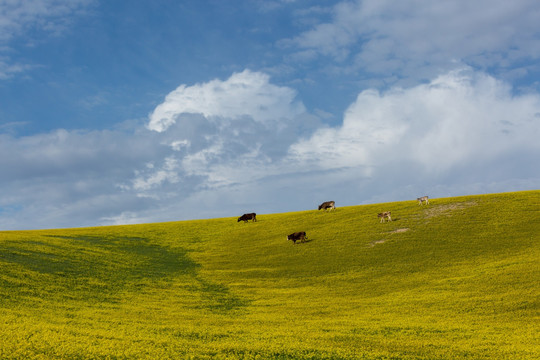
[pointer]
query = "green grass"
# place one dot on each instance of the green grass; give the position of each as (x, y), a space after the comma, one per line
(457, 279)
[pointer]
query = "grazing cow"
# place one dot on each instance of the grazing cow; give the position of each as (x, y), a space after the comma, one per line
(385, 215)
(246, 217)
(301, 235)
(423, 199)
(328, 205)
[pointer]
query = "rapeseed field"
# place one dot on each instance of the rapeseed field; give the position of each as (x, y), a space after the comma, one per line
(456, 279)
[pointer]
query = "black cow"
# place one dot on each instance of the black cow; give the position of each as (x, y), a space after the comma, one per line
(301, 235)
(328, 205)
(246, 217)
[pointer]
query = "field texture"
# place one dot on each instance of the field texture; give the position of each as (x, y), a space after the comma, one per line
(456, 279)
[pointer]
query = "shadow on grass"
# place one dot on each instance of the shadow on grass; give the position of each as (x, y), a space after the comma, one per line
(306, 241)
(218, 297)
(100, 268)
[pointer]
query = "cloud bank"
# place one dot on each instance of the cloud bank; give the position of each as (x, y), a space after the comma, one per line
(245, 144)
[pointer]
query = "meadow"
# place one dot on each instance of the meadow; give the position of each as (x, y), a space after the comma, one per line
(456, 279)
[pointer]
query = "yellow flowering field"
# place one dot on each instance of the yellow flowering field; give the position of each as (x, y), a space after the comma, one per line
(456, 279)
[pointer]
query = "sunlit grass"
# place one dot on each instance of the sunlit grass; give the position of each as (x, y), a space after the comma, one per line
(457, 279)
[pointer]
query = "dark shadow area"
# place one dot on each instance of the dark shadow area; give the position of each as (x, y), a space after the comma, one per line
(93, 268)
(218, 297)
(306, 241)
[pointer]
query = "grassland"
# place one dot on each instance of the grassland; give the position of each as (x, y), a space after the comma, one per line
(458, 279)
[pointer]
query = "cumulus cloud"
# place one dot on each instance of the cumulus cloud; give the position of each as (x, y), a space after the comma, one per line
(442, 129)
(221, 129)
(245, 94)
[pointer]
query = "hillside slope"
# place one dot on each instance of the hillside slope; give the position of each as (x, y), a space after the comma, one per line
(456, 279)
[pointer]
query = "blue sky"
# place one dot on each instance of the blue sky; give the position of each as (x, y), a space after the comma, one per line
(117, 112)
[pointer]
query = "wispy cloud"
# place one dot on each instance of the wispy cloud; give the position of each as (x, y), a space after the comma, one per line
(18, 17)
(419, 39)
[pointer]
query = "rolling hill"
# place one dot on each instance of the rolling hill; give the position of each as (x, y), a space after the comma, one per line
(456, 279)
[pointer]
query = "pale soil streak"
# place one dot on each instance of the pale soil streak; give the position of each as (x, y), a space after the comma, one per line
(382, 241)
(373, 243)
(402, 230)
(437, 210)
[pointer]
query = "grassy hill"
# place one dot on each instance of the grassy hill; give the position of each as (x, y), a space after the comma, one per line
(457, 279)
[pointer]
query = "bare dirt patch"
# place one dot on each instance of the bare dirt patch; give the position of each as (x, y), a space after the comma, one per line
(448, 209)
(377, 242)
(397, 231)
(382, 241)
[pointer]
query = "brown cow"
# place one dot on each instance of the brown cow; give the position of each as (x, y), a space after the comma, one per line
(328, 205)
(246, 217)
(423, 199)
(384, 215)
(301, 235)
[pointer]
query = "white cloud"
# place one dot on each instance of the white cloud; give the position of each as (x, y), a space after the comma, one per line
(222, 130)
(459, 118)
(245, 94)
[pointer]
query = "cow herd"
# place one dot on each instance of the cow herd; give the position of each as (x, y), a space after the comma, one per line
(327, 205)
